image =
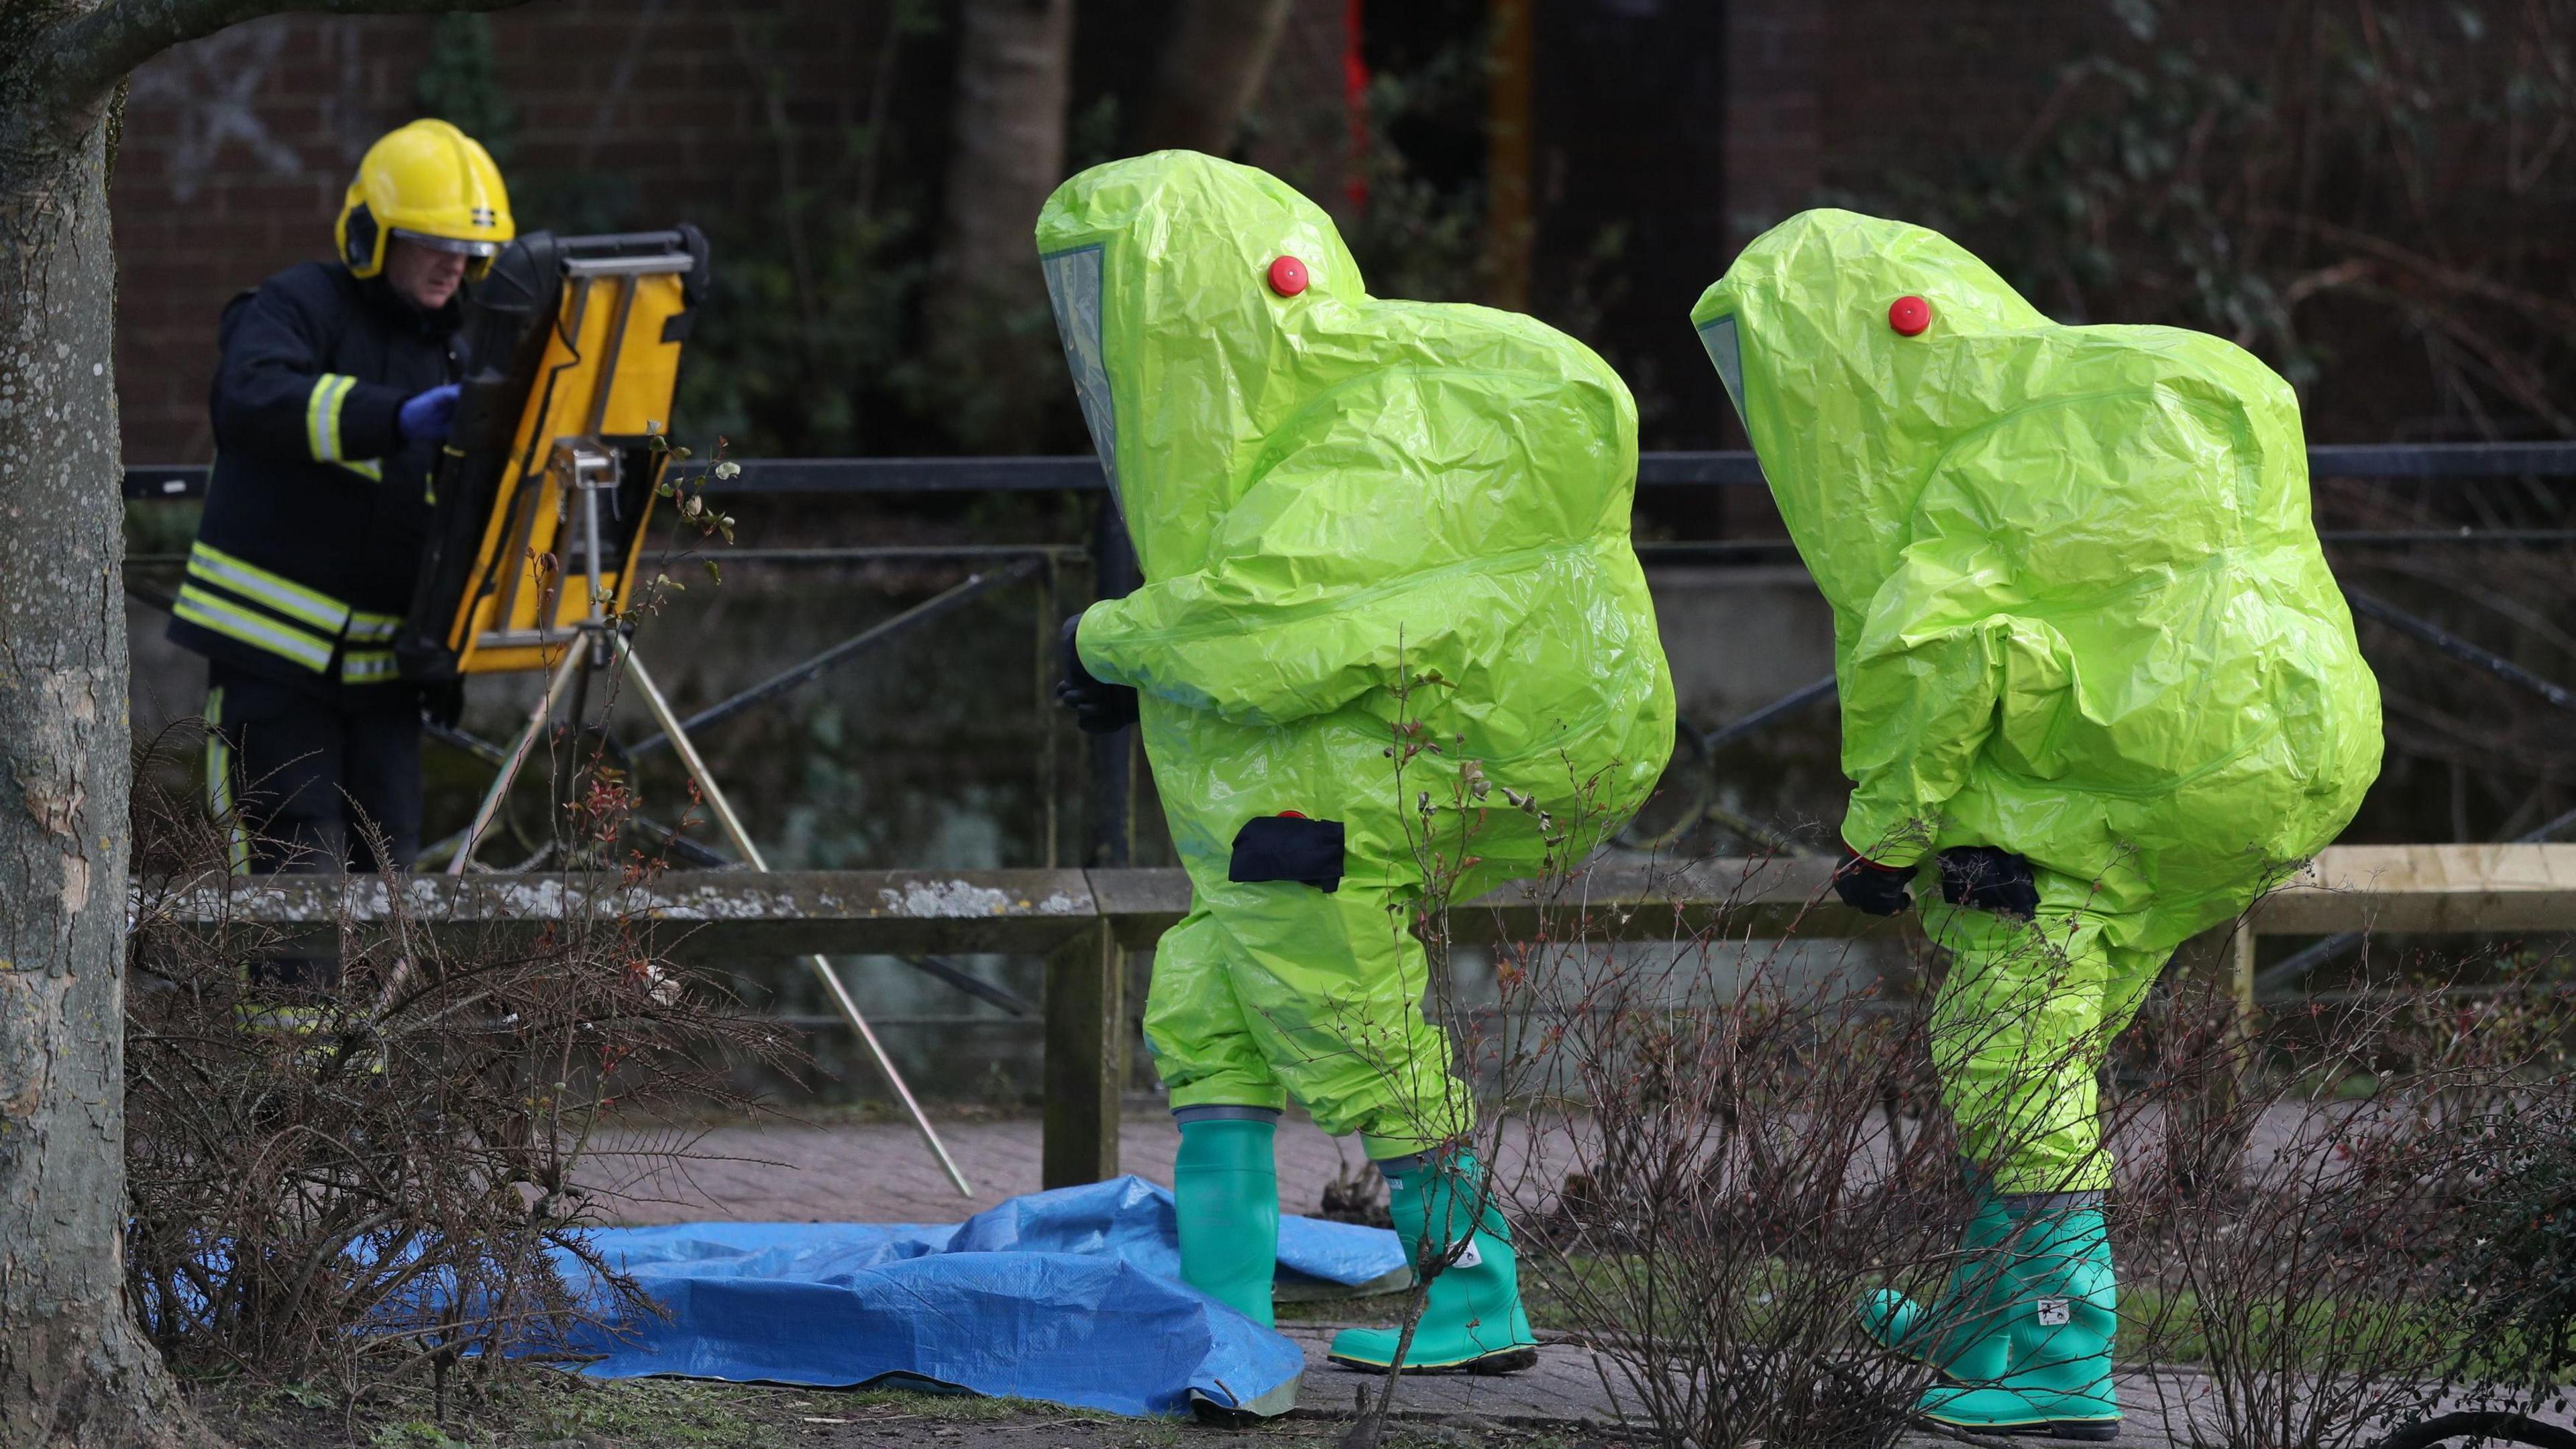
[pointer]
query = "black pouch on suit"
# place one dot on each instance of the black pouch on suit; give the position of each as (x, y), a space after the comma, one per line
(1288, 847)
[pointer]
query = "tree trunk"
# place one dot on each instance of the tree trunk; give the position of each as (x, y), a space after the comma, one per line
(1211, 69)
(987, 309)
(74, 1370)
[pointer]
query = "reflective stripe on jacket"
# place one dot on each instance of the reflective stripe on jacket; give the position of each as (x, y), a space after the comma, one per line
(317, 510)
(256, 609)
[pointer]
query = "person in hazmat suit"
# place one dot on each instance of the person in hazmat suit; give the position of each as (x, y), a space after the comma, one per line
(1392, 637)
(2099, 691)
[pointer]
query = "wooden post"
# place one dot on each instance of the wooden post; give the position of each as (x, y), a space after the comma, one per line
(2210, 1130)
(1086, 987)
(2240, 977)
(2223, 958)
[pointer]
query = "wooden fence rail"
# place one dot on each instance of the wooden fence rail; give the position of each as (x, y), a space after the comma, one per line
(1083, 923)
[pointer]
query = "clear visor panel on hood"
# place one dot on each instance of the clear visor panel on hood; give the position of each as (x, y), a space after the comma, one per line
(1073, 286)
(1719, 338)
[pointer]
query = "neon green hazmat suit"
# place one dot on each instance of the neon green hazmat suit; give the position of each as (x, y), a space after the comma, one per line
(1326, 490)
(2080, 614)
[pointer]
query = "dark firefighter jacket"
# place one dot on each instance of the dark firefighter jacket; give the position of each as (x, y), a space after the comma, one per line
(317, 510)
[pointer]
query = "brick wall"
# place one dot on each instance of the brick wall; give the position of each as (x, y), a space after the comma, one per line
(1775, 134)
(1823, 97)
(1902, 82)
(1690, 126)
(234, 153)
(237, 148)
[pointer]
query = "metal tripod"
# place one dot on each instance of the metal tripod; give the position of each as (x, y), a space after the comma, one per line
(597, 643)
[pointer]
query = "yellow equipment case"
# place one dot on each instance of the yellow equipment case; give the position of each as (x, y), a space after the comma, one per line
(572, 348)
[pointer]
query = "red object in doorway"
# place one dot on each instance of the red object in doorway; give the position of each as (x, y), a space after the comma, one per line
(1355, 86)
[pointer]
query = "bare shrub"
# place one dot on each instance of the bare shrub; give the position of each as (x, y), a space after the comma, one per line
(2344, 1275)
(2516, 1278)
(2334, 1221)
(363, 1173)
(2352, 1219)
(1730, 1186)
(1702, 1141)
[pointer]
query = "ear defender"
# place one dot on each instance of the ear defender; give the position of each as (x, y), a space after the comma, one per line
(362, 243)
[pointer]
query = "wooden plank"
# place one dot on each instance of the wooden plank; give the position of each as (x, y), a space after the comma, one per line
(1621, 902)
(2396, 888)
(1086, 982)
(1144, 903)
(1737, 897)
(732, 913)
(2429, 888)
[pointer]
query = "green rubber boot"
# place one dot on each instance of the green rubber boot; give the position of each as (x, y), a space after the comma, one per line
(2055, 1310)
(1473, 1321)
(1952, 1332)
(1225, 1191)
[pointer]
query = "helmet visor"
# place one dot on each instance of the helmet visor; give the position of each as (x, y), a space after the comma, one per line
(457, 245)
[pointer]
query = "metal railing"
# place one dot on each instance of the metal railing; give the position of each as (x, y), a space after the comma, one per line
(1110, 758)
(1080, 472)
(1084, 923)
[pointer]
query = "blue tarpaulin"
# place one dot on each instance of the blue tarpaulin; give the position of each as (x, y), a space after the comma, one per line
(1072, 1296)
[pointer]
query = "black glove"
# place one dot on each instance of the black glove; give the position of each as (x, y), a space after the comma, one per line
(1098, 707)
(1986, 878)
(443, 704)
(1865, 885)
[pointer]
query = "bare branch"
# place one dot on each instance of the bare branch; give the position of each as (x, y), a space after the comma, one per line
(2440, 274)
(89, 55)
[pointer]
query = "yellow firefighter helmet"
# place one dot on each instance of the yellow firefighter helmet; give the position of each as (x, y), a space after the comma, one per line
(428, 183)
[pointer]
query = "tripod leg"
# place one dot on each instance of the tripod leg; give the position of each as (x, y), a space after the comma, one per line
(518, 756)
(731, 824)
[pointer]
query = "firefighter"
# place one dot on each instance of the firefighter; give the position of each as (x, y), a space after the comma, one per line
(338, 382)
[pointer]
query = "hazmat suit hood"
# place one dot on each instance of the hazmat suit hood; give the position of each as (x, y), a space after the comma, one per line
(1331, 494)
(1799, 327)
(2080, 608)
(1170, 255)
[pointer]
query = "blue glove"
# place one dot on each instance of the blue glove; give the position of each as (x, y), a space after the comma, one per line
(427, 415)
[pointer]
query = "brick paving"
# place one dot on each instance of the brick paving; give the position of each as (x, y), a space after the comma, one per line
(880, 1172)
(1568, 1385)
(1574, 1385)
